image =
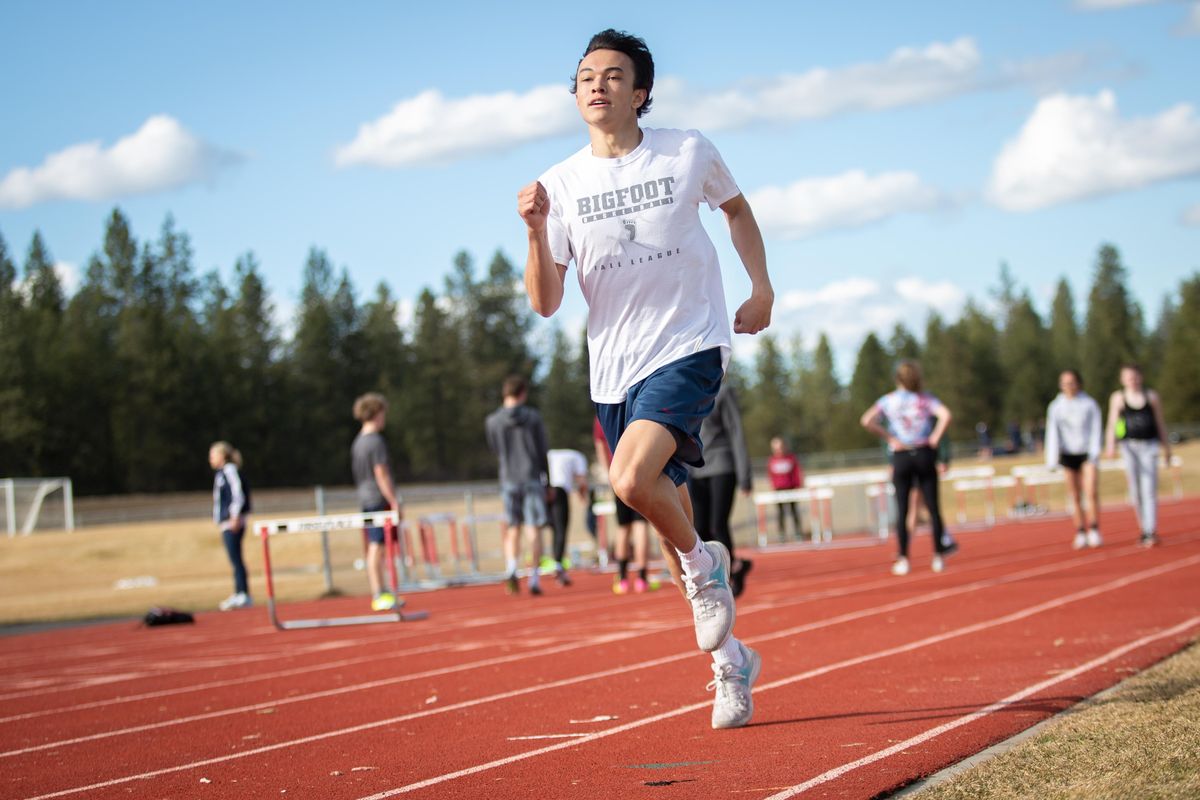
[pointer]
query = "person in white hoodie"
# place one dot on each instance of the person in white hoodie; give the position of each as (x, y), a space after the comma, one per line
(1074, 430)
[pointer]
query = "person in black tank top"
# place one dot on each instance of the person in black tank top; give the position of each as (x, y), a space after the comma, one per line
(1135, 420)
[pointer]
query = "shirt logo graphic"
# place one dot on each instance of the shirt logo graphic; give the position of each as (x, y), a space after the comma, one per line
(628, 200)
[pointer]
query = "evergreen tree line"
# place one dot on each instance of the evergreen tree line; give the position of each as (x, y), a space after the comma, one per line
(124, 384)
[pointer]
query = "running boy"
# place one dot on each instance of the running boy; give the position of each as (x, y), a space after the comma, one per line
(625, 209)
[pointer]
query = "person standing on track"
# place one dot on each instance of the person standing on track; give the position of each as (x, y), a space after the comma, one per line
(517, 436)
(917, 422)
(713, 486)
(786, 474)
(1135, 418)
(231, 503)
(372, 472)
(568, 473)
(1074, 429)
(625, 209)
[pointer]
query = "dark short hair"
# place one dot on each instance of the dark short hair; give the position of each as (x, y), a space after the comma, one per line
(632, 46)
(514, 386)
(1074, 373)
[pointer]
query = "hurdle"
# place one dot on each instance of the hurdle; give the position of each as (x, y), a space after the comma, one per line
(880, 495)
(820, 513)
(988, 485)
(388, 520)
(463, 552)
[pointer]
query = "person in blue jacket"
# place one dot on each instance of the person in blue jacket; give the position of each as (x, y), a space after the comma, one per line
(231, 504)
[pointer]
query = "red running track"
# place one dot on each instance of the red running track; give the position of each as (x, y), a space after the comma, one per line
(869, 681)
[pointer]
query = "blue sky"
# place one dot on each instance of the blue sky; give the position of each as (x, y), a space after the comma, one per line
(895, 154)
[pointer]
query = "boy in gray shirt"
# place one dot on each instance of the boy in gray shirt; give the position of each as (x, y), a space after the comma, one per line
(376, 491)
(516, 435)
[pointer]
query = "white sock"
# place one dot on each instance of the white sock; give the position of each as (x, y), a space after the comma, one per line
(728, 653)
(534, 578)
(697, 562)
(510, 567)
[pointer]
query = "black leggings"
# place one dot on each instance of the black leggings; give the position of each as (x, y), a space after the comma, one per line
(795, 518)
(233, 549)
(560, 515)
(712, 500)
(917, 467)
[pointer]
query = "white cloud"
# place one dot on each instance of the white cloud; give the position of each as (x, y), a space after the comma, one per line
(430, 128)
(849, 200)
(1191, 216)
(907, 77)
(847, 310)
(1074, 146)
(161, 154)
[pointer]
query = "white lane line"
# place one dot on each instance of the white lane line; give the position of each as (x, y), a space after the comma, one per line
(861, 588)
(619, 671)
(850, 662)
(579, 644)
(546, 736)
(999, 705)
(598, 640)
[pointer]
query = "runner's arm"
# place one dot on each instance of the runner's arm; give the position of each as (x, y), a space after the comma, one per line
(753, 315)
(544, 279)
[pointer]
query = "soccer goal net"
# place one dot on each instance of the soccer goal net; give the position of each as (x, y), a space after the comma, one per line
(32, 504)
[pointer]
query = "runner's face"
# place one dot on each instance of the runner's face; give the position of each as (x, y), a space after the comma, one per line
(604, 90)
(1131, 379)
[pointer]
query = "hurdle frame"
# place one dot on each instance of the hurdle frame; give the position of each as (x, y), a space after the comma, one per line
(388, 520)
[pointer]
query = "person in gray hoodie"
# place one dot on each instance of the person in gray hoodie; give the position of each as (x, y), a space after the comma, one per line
(1073, 433)
(517, 436)
(726, 468)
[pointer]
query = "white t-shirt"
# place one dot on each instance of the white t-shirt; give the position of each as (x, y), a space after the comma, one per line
(566, 466)
(646, 266)
(910, 415)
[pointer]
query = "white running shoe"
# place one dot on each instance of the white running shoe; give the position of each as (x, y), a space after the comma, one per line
(238, 600)
(1093, 538)
(733, 705)
(900, 567)
(937, 565)
(712, 600)
(1080, 541)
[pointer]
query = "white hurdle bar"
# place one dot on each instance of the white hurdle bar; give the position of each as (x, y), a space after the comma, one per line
(388, 520)
(820, 515)
(988, 485)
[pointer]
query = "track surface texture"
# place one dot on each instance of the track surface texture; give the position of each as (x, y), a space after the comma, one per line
(869, 681)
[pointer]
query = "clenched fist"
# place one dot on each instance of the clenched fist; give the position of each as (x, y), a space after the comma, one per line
(533, 204)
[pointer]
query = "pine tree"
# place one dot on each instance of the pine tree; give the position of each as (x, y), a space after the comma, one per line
(565, 401)
(42, 362)
(1029, 378)
(1113, 331)
(434, 422)
(903, 345)
(872, 378)
(18, 425)
(1064, 330)
(1179, 384)
(822, 399)
(765, 406)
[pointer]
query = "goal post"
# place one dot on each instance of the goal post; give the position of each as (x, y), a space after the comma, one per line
(37, 503)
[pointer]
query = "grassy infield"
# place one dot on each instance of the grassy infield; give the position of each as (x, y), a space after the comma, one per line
(1139, 740)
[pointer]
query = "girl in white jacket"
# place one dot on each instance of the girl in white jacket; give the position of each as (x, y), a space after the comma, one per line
(1074, 428)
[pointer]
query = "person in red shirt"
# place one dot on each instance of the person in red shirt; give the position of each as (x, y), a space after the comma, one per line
(785, 472)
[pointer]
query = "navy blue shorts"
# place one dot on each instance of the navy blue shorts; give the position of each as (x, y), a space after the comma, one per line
(678, 396)
(375, 535)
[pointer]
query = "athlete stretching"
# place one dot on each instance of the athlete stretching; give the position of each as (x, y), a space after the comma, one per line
(625, 209)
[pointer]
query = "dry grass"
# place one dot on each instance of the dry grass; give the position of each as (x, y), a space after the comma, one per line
(1141, 740)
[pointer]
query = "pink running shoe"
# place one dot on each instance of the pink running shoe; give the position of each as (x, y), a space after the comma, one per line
(639, 586)
(621, 587)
